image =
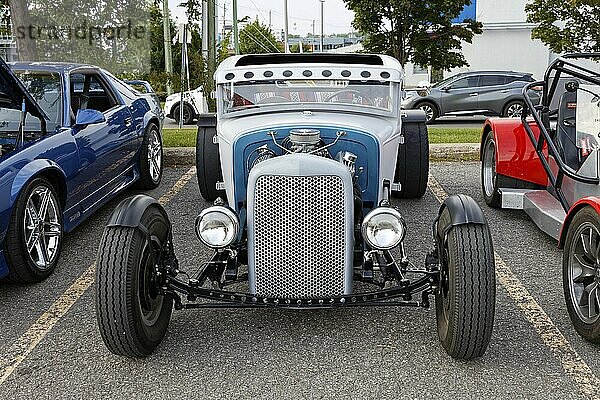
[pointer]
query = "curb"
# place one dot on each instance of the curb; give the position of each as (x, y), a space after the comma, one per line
(182, 156)
(454, 152)
(179, 156)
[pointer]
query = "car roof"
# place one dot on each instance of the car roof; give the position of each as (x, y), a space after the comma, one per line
(512, 73)
(58, 67)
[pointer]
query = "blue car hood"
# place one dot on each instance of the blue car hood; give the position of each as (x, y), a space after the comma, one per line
(12, 93)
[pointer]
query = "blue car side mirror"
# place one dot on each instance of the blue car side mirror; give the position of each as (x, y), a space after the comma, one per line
(89, 117)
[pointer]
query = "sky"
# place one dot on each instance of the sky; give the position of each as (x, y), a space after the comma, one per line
(301, 13)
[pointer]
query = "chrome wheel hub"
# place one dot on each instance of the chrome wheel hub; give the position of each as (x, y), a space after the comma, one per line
(428, 112)
(515, 111)
(489, 168)
(584, 273)
(154, 155)
(42, 228)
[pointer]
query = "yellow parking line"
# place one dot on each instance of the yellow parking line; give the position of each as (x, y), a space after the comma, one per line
(28, 341)
(574, 366)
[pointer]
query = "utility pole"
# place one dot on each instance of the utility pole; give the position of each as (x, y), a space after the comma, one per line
(236, 38)
(270, 18)
(212, 49)
(167, 44)
(224, 20)
(205, 30)
(312, 39)
(322, 25)
(286, 27)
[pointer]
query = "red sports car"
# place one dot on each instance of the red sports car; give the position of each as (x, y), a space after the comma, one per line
(548, 166)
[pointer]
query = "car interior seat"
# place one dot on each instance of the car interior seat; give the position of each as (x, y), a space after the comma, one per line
(566, 129)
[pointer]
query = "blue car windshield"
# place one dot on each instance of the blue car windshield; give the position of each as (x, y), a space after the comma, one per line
(45, 88)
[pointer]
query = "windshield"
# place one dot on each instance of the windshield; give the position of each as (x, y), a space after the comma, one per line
(440, 83)
(378, 96)
(45, 88)
(587, 116)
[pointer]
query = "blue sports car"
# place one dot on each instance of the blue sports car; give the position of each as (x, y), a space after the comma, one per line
(71, 138)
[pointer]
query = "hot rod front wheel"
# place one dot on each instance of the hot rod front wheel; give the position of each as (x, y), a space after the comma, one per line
(581, 274)
(132, 314)
(465, 302)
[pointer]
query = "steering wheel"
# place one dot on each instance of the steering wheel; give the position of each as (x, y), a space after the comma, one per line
(273, 99)
(352, 91)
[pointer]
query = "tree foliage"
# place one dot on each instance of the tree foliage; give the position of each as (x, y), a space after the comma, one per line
(566, 26)
(420, 32)
(256, 38)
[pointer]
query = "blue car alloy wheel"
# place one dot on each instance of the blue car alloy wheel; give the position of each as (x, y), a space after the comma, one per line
(34, 237)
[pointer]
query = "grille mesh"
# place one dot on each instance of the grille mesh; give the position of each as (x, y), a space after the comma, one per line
(299, 236)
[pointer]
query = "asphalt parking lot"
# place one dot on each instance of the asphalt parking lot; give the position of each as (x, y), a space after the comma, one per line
(50, 346)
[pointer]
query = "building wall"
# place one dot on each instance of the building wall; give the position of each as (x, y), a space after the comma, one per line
(506, 48)
(505, 43)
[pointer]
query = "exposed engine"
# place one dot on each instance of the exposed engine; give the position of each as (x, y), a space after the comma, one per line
(304, 141)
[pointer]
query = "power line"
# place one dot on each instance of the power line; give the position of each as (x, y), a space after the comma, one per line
(260, 32)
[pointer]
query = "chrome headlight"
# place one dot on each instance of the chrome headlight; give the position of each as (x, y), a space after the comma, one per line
(217, 227)
(383, 228)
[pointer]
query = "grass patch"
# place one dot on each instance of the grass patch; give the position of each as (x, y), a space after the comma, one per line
(173, 137)
(186, 137)
(454, 135)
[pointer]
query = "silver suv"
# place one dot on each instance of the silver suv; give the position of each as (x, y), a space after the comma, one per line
(469, 93)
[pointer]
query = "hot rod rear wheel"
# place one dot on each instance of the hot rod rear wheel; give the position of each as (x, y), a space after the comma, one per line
(581, 274)
(208, 164)
(34, 237)
(412, 166)
(465, 304)
(132, 314)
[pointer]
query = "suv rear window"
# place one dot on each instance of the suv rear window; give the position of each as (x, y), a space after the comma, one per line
(492, 80)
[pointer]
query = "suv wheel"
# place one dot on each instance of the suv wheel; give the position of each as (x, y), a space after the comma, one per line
(514, 109)
(430, 110)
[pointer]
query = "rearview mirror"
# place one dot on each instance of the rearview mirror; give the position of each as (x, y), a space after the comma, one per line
(89, 117)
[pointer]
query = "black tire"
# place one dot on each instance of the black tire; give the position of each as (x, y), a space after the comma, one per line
(132, 316)
(465, 304)
(39, 263)
(511, 109)
(151, 172)
(412, 165)
(489, 177)
(208, 164)
(581, 274)
(189, 115)
(431, 111)
(490, 186)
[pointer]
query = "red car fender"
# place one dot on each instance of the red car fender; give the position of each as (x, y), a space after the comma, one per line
(515, 155)
(591, 201)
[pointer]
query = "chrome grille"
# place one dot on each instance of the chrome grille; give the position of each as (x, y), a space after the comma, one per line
(299, 236)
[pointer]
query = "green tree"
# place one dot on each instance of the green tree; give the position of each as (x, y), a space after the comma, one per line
(256, 38)
(421, 32)
(566, 26)
(295, 48)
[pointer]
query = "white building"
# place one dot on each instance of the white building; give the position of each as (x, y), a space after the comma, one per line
(505, 43)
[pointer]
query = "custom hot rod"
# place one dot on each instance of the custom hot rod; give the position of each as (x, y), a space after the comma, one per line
(71, 138)
(301, 162)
